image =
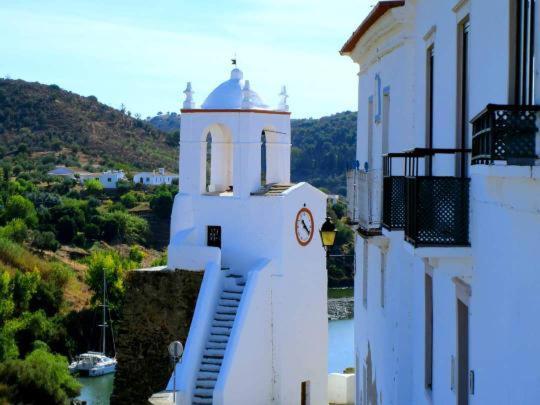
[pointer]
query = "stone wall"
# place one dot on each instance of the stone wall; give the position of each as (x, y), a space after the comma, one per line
(158, 309)
(340, 308)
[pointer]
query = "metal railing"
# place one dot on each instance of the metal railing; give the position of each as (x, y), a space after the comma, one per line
(364, 190)
(505, 133)
(393, 217)
(436, 207)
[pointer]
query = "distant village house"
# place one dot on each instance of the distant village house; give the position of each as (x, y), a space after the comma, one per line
(109, 179)
(155, 178)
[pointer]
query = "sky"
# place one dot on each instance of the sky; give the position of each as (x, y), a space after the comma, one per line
(141, 53)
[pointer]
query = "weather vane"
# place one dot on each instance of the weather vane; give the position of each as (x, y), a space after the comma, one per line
(233, 60)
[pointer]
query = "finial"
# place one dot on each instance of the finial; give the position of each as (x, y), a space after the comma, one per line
(189, 104)
(247, 101)
(283, 99)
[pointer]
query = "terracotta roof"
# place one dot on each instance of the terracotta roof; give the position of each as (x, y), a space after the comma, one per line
(378, 11)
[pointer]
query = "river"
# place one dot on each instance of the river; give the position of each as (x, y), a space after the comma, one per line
(96, 391)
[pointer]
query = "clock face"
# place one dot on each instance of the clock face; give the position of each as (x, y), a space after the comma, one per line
(304, 226)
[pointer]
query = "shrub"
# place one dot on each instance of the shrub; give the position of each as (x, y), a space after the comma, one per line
(92, 231)
(66, 229)
(111, 264)
(129, 199)
(16, 230)
(40, 375)
(93, 187)
(136, 254)
(162, 202)
(119, 225)
(45, 241)
(19, 207)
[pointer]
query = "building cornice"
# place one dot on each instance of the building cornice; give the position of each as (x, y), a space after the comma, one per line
(201, 110)
(378, 11)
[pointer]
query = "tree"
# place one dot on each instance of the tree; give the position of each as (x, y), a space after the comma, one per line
(93, 187)
(19, 207)
(41, 376)
(45, 241)
(113, 266)
(129, 200)
(66, 229)
(16, 230)
(162, 202)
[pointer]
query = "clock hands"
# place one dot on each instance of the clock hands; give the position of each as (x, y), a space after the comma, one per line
(305, 227)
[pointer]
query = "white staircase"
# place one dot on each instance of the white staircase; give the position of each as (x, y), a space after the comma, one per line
(217, 340)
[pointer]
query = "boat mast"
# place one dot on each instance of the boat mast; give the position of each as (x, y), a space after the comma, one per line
(104, 323)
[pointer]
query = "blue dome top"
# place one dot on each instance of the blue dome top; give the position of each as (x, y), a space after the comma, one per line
(229, 95)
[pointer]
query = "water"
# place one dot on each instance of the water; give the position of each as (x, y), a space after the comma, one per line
(340, 345)
(97, 390)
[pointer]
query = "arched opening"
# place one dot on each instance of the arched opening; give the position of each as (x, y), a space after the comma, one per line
(263, 158)
(272, 159)
(208, 164)
(218, 161)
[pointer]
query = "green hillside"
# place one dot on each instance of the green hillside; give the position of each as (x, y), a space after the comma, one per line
(44, 118)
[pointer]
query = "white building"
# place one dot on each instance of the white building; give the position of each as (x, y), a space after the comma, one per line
(155, 177)
(110, 178)
(259, 331)
(447, 266)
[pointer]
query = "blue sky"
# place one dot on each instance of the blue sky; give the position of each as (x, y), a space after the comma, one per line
(141, 53)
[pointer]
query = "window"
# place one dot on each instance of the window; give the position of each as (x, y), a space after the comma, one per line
(365, 275)
(524, 69)
(463, 352)
(370, 158)
(109, 179)
(463, 137)
(430, 72)
(428, 330)
(263, 158)
(383, 277)
(304, 393)
(213, 235)
(386, 120)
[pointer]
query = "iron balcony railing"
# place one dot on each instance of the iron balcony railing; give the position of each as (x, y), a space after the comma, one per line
(505, 133)
(437, 211)
(393, 217)
(436, 207)
(364, 200)
(432, 210)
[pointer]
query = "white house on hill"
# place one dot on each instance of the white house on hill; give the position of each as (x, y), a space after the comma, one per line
(154, 178)
(446, 201)
(109, 179)
(259, 331)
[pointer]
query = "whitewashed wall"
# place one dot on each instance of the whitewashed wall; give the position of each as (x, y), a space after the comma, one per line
(501, 267)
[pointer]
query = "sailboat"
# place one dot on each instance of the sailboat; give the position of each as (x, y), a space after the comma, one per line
(94, 364)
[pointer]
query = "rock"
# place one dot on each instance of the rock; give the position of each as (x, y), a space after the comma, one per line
(341, 308)
(157, 310)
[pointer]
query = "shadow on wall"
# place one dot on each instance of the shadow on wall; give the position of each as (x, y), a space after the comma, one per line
(369, 392)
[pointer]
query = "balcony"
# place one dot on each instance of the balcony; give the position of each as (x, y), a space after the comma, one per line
(505, 134)
(393, 194)
(364, 200)
(432, 210)
(437, 212)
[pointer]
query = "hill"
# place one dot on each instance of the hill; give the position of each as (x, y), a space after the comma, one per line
(321, 147)
(44, 118)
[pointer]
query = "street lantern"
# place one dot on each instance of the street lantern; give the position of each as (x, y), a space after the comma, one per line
(328, 234)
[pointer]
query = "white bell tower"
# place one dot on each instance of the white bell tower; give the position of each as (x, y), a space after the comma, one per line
(262, 305)
(221, 143)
